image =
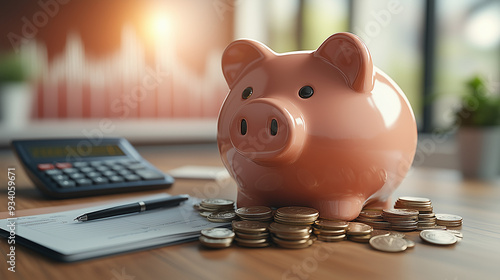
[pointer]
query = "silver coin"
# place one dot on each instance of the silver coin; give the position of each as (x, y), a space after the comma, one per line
(388, 243)
(438, 237)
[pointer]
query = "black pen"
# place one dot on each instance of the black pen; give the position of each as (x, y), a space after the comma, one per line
(140, 206)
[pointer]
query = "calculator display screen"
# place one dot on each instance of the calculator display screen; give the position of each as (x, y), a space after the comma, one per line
(75, 151)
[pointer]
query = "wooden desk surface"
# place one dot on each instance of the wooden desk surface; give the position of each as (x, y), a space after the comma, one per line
(477, 256)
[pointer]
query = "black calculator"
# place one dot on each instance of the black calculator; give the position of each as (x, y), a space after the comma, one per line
(65, 168)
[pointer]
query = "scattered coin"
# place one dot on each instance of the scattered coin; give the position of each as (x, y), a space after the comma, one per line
(388, 243)
(438, 237)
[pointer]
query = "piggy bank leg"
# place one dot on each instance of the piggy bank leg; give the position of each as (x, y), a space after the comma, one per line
(346, 209)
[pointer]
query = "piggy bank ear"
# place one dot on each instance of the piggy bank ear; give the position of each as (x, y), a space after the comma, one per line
(239, 55)
(351, 56)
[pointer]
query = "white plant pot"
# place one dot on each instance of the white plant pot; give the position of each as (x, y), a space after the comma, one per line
(16, 100)
(479, 151)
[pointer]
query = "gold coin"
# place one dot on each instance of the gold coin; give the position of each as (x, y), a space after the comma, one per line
(331, 238)
(297, 212)
(252, 236)
(328, 232)
(297, 246)
(292, 236)
(388, 243)
(281, 228)
(289, 242)
(218, 233)
(360, 238)
(355, 228)
(254, 245)
(250, 226)
(438, 237)
(331, 225)
(215, 243)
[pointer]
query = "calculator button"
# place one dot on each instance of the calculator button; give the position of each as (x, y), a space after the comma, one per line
(80, 164)
(124, 172)
(84, 182)
(108, 173)
(96, 163)
(93, 174)
(66, 184)
(75, 176)
(45, 166)
(99, 180)
(70, 170)
(132, 177)
(63, 165)
(87, 169)
(51, 172)
(117, 167)
(136, 166)
(59, 177)
(116, 179)
(148, 174)
(102, 168)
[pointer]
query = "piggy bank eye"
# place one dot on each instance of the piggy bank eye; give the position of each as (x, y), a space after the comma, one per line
(247, 92)
(306, 92)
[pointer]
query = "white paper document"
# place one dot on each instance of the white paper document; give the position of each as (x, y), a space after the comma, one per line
(59, 236)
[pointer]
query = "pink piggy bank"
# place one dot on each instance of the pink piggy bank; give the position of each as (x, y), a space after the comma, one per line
(324, 129)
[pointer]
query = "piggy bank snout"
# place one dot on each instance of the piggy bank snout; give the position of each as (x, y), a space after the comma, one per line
(268, 131)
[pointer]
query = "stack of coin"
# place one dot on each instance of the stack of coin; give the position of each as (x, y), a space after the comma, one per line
(216, 205)
(359, 232)
(330, 231)
(295, 215)
(448, 220)
(291, 236)
(252, 234)
(426, 218)
(216, 237)
(217, 209)
(401, 219)
(255, 213)
(373, 218)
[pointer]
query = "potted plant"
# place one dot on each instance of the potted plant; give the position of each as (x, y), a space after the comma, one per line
(16, 92)
(478, 120)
